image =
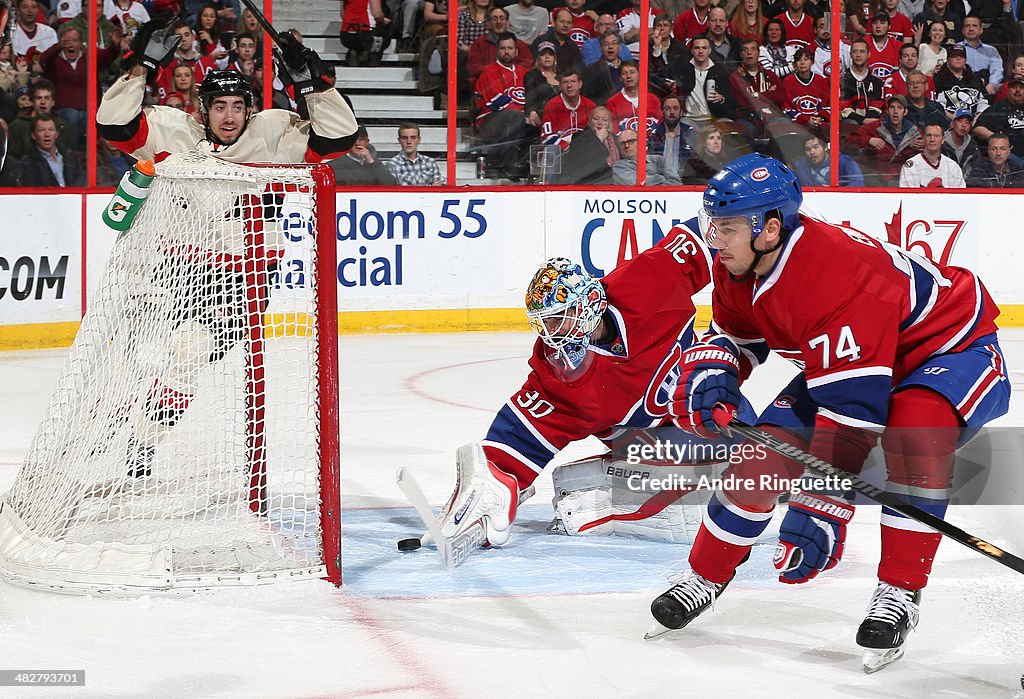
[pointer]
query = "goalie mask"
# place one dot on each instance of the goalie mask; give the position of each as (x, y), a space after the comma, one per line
(564, 305)
(225, 83)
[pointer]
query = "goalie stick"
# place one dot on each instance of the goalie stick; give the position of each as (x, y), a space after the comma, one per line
(414, 494)
(726, 420)
(415, 543)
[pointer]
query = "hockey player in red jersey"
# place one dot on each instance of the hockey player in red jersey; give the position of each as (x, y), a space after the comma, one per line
(892, 346)
(605, 365)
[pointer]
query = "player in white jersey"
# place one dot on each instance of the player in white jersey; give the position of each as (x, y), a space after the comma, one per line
(208, 323)
(226, 126)
(930, 168)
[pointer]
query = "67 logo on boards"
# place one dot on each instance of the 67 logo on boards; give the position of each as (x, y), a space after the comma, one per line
(934, 238)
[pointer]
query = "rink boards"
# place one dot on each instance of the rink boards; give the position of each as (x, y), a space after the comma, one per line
(455, 261)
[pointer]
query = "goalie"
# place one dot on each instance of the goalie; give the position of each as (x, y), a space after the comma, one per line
(610, 353)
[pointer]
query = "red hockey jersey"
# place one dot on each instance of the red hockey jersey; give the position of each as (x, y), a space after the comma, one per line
(804, 100)
(627, 384)
(499, 87)
(560, 121)
(689, 25)
(625, 111)
(799, 33)
(857, 315)
(582, 26)
(883, 60)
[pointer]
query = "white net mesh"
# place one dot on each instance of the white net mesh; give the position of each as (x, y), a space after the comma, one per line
(181, 445)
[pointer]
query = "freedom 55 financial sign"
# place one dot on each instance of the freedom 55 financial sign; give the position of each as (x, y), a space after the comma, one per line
(424, 250)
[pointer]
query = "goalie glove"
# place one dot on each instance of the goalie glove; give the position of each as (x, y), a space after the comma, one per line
(710, 374)
(812, 537)
(154, 46)
(302, 70)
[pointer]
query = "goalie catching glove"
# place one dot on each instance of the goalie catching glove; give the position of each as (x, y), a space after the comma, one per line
(812, 537)
(154, 46)
(710, 375)
(301, 69)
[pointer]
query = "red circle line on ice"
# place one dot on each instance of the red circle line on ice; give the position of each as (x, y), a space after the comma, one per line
(410, 383)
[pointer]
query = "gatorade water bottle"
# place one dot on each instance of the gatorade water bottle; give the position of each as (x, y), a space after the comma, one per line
(130, 195)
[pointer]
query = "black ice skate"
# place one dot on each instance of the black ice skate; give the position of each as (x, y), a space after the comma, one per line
(892, 614)
(682, 603)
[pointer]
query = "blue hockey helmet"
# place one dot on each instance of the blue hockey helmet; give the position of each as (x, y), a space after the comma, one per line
(752, 186)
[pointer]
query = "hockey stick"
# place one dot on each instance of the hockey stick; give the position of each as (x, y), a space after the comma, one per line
(453, 551)
(264, 22)
(415, 543)
(726, 420)
(412, 491)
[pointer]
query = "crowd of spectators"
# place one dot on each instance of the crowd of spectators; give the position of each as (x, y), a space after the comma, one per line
(760, 72)
(45, 74)
(723, 79)
(553, 88)
(933, 93)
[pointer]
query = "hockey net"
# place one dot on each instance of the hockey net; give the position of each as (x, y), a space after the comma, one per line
(192, 438)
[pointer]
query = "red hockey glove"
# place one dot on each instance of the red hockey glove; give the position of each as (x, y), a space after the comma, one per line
(710, 374)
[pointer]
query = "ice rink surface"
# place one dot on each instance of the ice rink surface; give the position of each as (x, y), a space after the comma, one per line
(547, 616)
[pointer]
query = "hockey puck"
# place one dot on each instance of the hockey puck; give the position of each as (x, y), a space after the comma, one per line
(408, 544)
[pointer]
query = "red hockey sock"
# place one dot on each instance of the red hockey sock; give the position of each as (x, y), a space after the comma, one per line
(907, 557)
(920, 448)
(726, 535)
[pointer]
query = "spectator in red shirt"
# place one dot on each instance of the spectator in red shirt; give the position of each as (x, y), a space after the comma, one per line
(807, 95)
(883, 50)
(566, 114)
(625, 104)
(900, 27)
(65, 64)
(484, 50)
(185, 55)
(759, 95)
(799, 24)
(693, 21)
(500, 97)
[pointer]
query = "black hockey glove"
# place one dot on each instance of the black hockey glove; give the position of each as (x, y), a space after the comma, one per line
(302, 69)
(154, 46)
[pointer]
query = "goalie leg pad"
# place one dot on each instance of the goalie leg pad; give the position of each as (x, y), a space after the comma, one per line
(484, 495)
(605, 496)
